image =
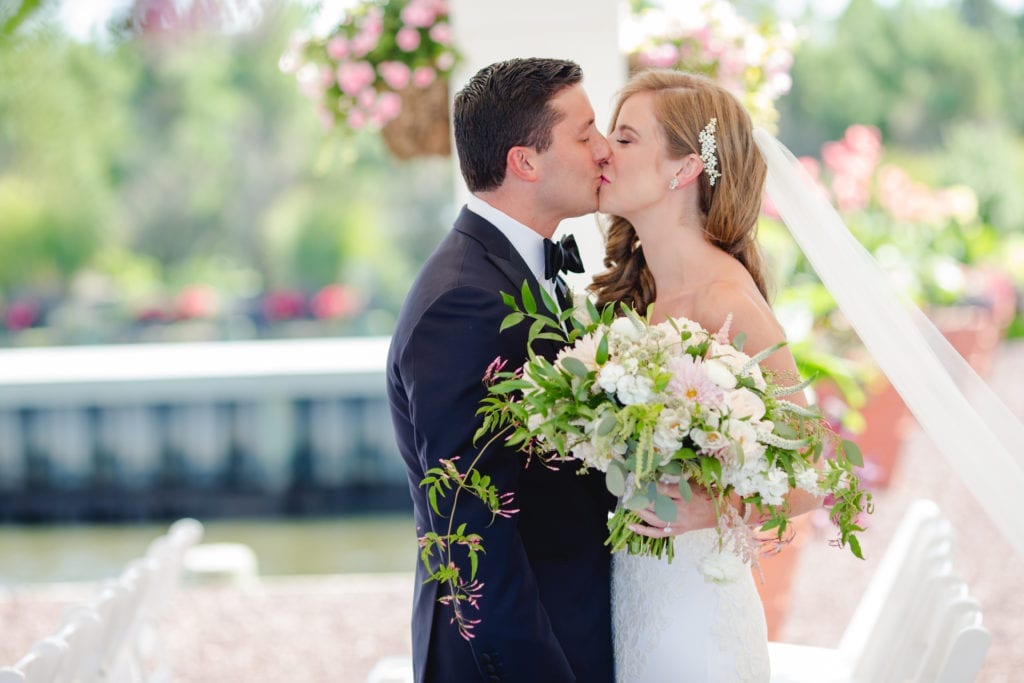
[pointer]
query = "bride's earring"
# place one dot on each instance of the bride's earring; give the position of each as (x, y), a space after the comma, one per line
(674, 183)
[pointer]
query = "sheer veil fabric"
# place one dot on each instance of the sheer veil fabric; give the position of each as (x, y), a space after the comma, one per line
(979, 436)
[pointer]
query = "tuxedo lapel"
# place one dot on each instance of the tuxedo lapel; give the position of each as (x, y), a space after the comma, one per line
(503, 256)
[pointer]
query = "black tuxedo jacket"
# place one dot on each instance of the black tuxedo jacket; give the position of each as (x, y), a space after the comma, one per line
(545, 609)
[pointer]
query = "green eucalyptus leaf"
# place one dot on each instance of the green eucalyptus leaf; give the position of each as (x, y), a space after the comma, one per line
(607, 425)
(664, 508)
(638, 502)
(685, 491)
(615, 479)
(575, 366)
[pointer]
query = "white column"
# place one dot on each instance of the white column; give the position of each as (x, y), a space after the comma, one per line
(585, 31)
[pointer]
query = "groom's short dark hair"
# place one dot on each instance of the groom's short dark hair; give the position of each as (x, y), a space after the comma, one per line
(506, 105)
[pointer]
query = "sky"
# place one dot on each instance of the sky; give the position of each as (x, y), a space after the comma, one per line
(85, 19)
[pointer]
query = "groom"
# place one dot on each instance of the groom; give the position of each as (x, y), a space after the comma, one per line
(531, 156)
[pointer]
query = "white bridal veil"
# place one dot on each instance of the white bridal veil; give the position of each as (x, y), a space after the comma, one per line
(966, 421)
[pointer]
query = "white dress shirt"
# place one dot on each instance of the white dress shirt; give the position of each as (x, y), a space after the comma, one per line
(528, 243)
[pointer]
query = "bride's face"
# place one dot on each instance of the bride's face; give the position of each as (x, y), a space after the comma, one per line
(638, 173)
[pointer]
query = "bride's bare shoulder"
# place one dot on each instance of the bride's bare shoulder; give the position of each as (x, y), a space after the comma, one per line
(751, 314)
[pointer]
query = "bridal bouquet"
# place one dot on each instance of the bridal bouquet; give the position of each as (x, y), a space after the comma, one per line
(673, 403)
(647, 404)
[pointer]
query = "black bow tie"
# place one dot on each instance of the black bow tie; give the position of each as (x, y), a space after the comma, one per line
(562, 256)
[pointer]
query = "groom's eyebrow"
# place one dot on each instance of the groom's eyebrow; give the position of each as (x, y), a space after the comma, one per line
(586, 126)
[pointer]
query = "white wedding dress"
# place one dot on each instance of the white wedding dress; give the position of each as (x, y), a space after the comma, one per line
(671, 625)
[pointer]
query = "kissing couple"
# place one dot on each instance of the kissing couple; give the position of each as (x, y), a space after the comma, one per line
(680, 181)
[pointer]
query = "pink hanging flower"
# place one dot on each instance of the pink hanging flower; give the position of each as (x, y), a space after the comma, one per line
(354, 77)
(445, 61)
(356, 119)
(441, 33)
(337, 48)
(389, 105)
(423, 76)
(407, 39)
(396, 74)
(418, 14)
(363, 44)
(367, 98)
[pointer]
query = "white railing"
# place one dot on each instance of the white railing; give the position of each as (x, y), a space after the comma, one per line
(134, 417)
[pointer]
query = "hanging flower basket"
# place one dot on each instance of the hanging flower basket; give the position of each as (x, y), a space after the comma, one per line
(421, 128)
(384, 69)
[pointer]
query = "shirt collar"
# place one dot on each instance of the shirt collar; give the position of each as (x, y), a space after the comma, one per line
(528, 243)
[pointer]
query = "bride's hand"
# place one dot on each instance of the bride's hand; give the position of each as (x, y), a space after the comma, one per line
(696, 513)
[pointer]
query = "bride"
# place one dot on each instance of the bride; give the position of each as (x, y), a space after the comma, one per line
(683, 189)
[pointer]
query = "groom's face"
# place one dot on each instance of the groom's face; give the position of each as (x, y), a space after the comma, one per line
(572, 165)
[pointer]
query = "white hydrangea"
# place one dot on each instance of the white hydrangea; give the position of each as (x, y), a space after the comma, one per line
(722, 566)
(807, 479)
(632, 389)
(609, 376)
(775, 487)
(747, 478)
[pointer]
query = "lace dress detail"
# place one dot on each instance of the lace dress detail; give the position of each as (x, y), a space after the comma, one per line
(670, 624)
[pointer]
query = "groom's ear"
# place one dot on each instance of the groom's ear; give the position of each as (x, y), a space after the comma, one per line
(522, 163)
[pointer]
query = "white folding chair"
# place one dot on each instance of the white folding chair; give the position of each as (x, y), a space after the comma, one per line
(113, 638)
(40, 665)
(915, 621)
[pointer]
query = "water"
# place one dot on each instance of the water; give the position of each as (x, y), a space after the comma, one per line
(90, 552)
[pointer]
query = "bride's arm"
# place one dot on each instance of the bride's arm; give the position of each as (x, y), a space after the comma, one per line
(753, 317)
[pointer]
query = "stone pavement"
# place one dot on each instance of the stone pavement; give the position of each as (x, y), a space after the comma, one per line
(333, 628)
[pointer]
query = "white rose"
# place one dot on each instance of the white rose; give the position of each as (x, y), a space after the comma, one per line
(742, 433)
(722, 566)
(707, 441)
(624, 327)
(718, 373)
(591, 455)
(727, 354)
(744, 404)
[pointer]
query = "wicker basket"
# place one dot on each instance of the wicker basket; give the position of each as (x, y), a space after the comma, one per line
(422, 128)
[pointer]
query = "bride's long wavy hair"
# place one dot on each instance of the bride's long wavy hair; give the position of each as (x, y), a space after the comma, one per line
(684, 103)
